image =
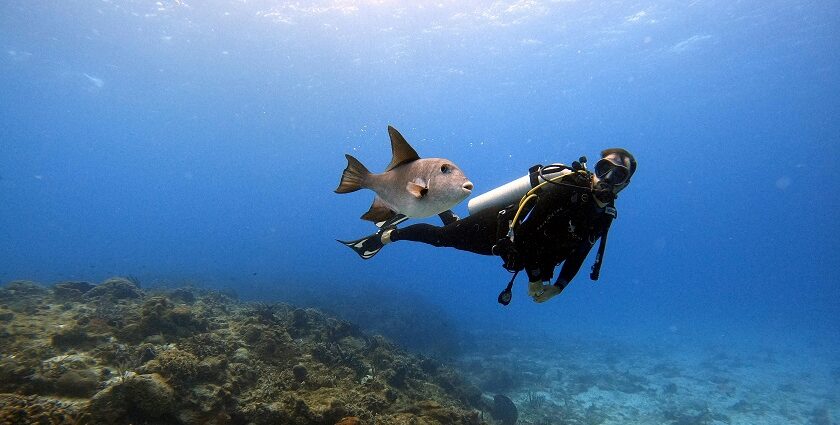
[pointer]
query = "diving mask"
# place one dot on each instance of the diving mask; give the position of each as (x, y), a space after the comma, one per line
(611, 173)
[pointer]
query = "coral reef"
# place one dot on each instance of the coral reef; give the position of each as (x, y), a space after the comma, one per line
(18, 409)
(114, 353)
(391, 312)
(504, 410)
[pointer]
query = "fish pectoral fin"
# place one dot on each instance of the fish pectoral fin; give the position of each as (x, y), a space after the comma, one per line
(379, 211)
(401, 151)
(418, 188)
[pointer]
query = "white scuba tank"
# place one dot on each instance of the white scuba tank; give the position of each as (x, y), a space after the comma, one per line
(512, 192)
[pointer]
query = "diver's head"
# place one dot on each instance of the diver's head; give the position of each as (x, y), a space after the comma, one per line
(612, 173)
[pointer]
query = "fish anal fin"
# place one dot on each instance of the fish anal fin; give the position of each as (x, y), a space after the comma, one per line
(401, 151)
(379, 211)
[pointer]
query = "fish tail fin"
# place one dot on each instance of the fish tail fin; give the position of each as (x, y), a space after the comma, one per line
(353, 177)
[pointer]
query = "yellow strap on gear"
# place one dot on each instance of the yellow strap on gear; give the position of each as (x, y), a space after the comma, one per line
(531, 195)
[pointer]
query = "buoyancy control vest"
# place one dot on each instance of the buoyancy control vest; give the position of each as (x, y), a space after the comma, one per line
(562, 201)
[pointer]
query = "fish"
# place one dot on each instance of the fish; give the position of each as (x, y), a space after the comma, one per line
(409, 186)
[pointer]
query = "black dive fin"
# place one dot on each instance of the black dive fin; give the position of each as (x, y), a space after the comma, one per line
(367, 246)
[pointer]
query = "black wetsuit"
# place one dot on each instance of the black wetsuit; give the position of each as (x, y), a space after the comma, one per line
(563, 225)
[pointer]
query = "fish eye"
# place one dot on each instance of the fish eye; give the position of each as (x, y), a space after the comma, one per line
(445, 169)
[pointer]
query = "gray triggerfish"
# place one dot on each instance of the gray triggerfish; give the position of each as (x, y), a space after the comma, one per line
(409, 186)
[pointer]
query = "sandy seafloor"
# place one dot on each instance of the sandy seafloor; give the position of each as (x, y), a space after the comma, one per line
(603, 381)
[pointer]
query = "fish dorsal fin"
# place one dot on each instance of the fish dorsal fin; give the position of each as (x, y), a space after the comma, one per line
(379, 211)
(418, 188)
(401, 151)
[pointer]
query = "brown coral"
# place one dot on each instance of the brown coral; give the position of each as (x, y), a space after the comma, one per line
(116, 288)
(17, 409)
(132, 357)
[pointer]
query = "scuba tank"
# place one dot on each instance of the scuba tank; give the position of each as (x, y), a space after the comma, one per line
(512, 192)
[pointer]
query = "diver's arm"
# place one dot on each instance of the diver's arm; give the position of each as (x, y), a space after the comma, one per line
(573, 262)
(539, 285)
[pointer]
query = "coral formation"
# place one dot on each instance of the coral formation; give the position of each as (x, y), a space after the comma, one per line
(392, 313)
(133, 398)
(19, 409)
(71, 290)
(113, 353)
(113, 289)
(504, 410)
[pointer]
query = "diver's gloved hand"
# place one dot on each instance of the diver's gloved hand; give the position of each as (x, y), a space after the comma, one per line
(542, 292)
(512, 261)
(504, 248)
(535, 287)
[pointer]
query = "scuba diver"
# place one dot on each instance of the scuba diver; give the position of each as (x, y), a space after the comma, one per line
(553, 215)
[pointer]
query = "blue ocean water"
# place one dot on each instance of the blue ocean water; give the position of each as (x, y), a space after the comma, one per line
(200, 142)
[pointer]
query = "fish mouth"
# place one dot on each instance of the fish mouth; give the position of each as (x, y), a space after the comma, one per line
(468, 187)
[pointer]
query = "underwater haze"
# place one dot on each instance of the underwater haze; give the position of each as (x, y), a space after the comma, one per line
(199, 143)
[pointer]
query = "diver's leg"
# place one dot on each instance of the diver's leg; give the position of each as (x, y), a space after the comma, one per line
(392, 222)
(475, 233)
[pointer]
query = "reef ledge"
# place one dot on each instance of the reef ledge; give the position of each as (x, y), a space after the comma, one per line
(114, 353)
